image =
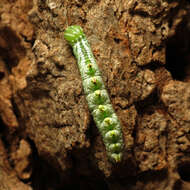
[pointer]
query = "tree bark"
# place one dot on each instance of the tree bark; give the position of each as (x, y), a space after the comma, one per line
(48, 138)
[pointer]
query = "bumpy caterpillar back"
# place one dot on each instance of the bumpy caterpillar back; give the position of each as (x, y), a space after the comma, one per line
(96, 94)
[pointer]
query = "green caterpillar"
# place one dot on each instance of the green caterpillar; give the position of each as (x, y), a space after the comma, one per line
(96, 94)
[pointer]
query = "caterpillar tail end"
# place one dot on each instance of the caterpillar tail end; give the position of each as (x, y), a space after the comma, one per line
(116, 158)
(73, 33)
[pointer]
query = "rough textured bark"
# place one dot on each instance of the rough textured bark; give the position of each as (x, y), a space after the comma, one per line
(48, 139)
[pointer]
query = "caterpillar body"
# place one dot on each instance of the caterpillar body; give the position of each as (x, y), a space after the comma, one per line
(96, 94)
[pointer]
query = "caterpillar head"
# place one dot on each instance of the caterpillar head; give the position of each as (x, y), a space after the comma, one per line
(73, 33)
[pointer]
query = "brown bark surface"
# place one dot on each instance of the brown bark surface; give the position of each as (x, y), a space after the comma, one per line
(48, 139)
